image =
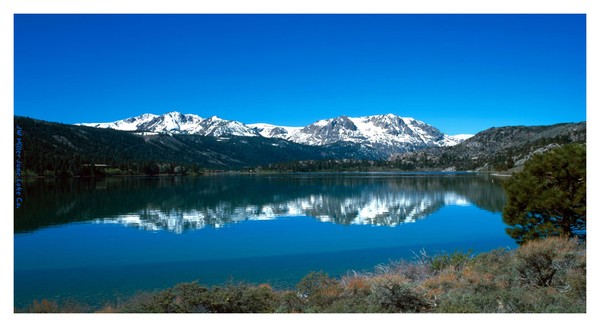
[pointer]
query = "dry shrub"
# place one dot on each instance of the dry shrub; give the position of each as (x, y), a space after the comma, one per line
(464, 291)
(290, 302)
(44, 306)
(314, 283)
(497, 266)
(442, 261)
(541, 300)
(574, 281)
(356, 285)
(549, 262)
(388, 279)
(395, 293)
(51, 306)
(318, 290)
(441, 283)
(416, 271)
(480, 281)
(240, 298)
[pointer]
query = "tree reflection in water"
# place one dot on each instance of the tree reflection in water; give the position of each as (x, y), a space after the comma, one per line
(184, 203)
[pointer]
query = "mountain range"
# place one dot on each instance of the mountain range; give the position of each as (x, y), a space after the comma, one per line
(186, 144)
(379, 136)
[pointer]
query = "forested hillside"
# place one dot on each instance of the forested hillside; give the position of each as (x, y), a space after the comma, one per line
(53, 149)
(495, 149)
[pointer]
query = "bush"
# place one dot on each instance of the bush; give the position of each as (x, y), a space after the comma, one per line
(318, 291)
(44, 306)
(159, 302)
(291, 302)
(357, 285)
(413, 271)
(393, 293)
(190, 297)
(540, 300)
(194, 298)
(51, 306)
(550, 262)
(444, 260)
(357, 303)
(314, 283)
(353, 297)
(460, 301)
(241, 298)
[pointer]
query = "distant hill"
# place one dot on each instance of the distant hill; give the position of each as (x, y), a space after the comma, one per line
(498, 148)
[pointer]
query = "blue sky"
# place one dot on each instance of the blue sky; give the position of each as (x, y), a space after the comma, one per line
(460, 73)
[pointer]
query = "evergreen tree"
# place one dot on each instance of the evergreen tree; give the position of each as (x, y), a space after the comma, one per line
(549, 196)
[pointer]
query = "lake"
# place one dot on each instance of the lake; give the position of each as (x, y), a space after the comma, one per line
(94, 241)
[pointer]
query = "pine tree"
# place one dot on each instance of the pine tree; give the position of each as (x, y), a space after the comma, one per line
(549, 196)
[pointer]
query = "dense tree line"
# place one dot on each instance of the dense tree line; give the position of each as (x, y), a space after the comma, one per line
(331, 165)
(59, 150)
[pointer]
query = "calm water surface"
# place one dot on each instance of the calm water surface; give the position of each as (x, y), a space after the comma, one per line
(95, 241)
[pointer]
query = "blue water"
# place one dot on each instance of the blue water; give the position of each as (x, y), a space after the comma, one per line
(104, 259)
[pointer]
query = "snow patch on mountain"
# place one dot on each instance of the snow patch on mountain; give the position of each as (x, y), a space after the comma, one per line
(386, 134)
(461, 137)
(178, 123)
(382, 135)
(129, 124)
(268, 130)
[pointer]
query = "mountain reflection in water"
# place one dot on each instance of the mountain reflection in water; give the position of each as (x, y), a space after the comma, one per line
(184, 203)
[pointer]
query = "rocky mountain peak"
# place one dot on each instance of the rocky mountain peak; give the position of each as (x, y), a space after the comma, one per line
(384, 135)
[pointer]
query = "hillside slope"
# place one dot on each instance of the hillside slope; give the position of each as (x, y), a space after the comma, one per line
(497, 148)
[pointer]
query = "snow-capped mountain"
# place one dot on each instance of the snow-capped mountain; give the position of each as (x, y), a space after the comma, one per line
(383, 135)
(387, 134)
(387, 129)
(178, 123)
